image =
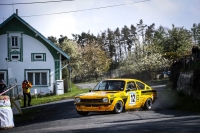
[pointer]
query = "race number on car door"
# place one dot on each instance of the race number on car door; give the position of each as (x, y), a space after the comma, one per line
(132, 98)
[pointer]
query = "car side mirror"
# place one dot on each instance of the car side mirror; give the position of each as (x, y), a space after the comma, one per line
(90, 90)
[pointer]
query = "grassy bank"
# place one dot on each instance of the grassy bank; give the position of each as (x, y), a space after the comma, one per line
(181, 101)
(187, 103)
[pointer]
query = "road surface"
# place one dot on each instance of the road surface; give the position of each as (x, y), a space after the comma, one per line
(61, 117)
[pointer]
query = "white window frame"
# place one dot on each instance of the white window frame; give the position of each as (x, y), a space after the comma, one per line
(38, 71)
(15, 44)
(42, 55)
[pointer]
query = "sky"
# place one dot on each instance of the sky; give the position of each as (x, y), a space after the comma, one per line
(96, 16)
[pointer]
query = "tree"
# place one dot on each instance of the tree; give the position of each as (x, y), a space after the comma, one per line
(126, 38)
(95, 61)
(84, 38)
(149, 34)
(118, 46)
(141, 29)
(178, 40)
(129, 65)
(74, 51)
(196, 33)
(53, 39)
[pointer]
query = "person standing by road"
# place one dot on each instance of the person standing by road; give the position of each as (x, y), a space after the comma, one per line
(26, 86)
(195, 52)
(2, 86)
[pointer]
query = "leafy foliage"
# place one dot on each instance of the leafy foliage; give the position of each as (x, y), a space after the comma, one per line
(94, 59)
(196, 33)
(139, 47)
(177, 40)
(74, 51)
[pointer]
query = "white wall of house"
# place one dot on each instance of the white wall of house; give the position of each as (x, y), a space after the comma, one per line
(16, 68)
(3, 54)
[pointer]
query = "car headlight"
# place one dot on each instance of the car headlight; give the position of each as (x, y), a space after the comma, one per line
(105, 100)
(77, 100)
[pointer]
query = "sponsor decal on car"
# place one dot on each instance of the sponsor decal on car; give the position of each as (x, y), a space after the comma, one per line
(132, 98)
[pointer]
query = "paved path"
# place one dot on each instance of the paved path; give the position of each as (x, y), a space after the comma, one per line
(86, 85)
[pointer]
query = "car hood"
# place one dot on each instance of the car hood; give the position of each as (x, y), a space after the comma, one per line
(99, 94)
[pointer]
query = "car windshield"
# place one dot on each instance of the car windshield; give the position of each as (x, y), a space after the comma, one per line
(110, 85)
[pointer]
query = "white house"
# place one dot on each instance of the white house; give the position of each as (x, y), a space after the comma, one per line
(27, 54)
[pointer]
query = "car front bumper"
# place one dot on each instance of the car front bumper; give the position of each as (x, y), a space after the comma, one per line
(95, 108)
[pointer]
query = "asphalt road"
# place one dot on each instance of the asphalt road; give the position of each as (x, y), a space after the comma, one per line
(83, 86)
(61, 117)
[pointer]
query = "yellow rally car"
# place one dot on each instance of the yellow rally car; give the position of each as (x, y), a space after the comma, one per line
(116, 95)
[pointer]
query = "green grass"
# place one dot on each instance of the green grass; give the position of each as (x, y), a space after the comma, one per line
(47, 99)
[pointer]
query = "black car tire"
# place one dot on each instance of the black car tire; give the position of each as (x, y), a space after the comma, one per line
(118, 107)
(148, 104)
(83, 113)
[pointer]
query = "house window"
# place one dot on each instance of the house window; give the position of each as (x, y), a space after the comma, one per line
(14, 42)
(38, 57)
(38, 78)
(15, 57)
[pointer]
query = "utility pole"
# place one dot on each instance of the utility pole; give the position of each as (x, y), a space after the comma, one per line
(70, 69)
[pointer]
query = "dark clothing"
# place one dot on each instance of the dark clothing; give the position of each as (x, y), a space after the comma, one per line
(195, 52)
(29, 98)
(2, 87)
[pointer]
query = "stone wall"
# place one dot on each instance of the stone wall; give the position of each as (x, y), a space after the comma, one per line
(184, 82)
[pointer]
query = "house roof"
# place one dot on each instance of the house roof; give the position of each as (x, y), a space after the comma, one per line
(36, 32)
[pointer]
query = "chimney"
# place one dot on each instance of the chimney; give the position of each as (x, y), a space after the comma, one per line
(17, 11)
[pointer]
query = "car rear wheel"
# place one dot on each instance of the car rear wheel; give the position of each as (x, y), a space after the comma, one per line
(118, 107)
(148, 104)
(83, 113)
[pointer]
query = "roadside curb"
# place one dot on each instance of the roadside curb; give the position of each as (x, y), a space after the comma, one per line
(61, 101)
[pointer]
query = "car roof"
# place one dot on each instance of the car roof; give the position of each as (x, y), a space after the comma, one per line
(124, 79)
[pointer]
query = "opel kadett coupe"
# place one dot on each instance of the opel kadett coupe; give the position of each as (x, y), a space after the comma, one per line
(116, 95)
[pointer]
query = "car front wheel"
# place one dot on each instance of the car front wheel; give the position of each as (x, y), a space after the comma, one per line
(148, 104)
(118, 107)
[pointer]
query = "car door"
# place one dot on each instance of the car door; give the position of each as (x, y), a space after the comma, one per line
(141, 88)
(145, 92)
(133, 94)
